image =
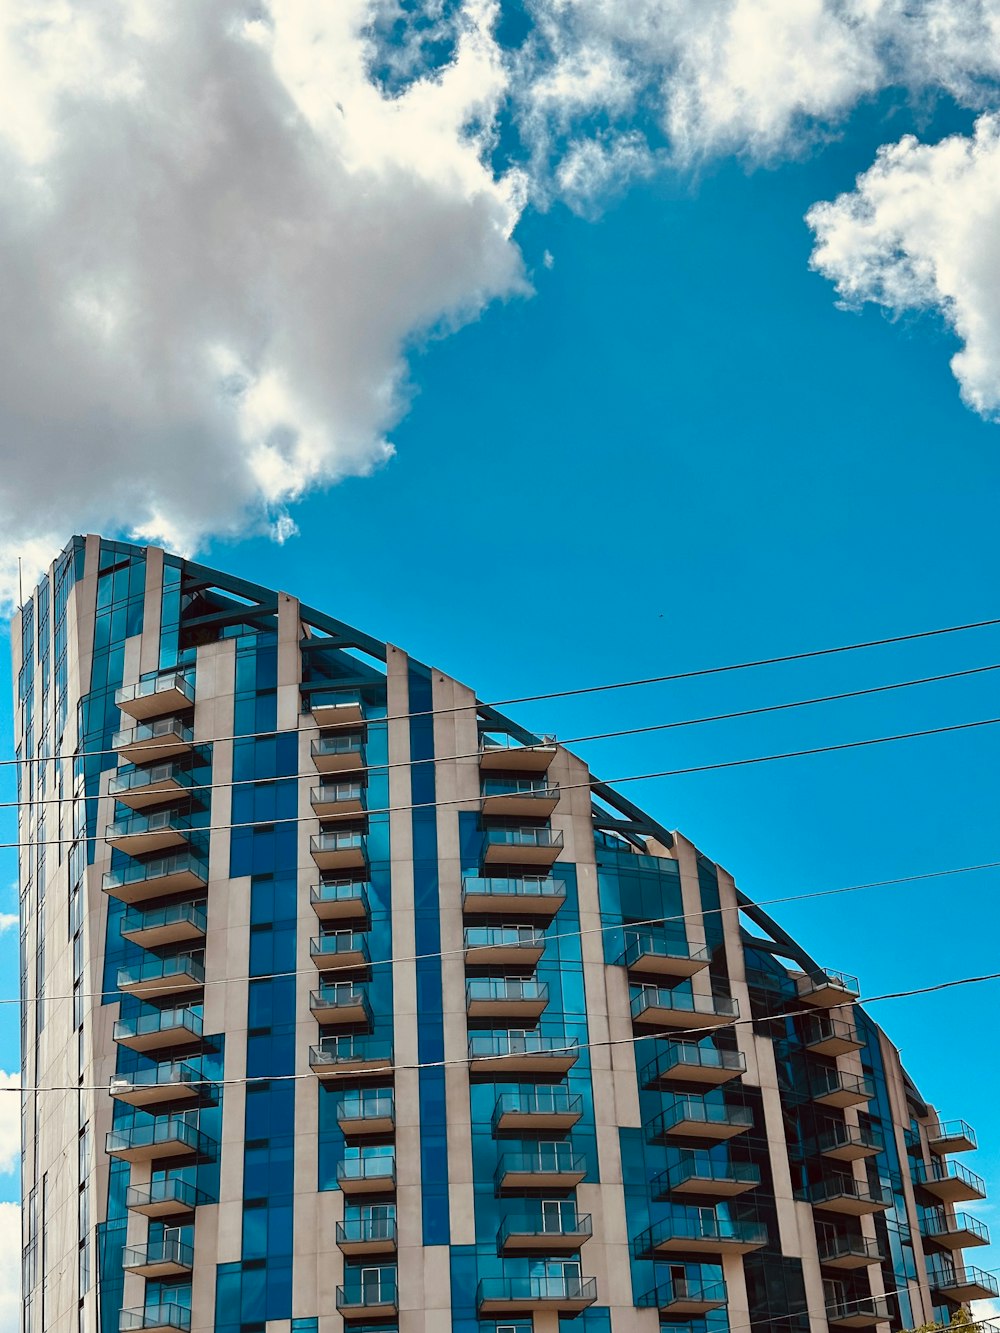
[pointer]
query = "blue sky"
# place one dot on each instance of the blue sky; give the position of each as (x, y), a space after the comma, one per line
(679, 452)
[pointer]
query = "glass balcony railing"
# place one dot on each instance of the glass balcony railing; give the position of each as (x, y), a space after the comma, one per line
(381, 1170)
(701, 1230)
(834, 1249)
(695, 1111)
(952, 1136)
(940, 1225)
(824, 1031)
(700, 1168)
(367, 1231)
(361, 1107)
(937, 1173)
(167, 1251)
(506, 891)
(554, 1159)
(658, 997)
(852, 1139)
(187, 970)
(122, 785)
(168, 1075)
(151, 1317)
(945, 1277)
(138, 921)
(339, 747)
(699, 1063)
(172, 683)
(545, 1102)
(647, 946)
(162, 1196)
(338, 793)
(485, 1045)
(162, 734)
(683, 1291)
(564, 1223)
(153, 822)
(531, 1291)
(161, 1130)
(370, 1293)
(340, 894)
(519, 839)
(350, 944)
(846, 1187)
(501, 743)
(835, 1083)
(338, 999)
(503, 937)
(874, 1309)
(149, 1021)
(350, 1050)
(340, 843)
(501, 990)
(181, 865)
(829, 979)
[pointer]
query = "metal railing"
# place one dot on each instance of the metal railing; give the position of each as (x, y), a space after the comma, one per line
(341, 891)
(324, 746)
(153, 821)
(147, 689)
(944, 1277)
(845, 1187)
(491, 937)
(501, 989)
(368, 1168)
(340, 997)
(152, 731)
(940, 1224)
(566, 1222)
(530, 1290)
(841, 1135)
(677, 1053)
(519, 787)
(337, 840)
(136, 919)
(659, 997)
(337, 791)
(701, 1167)
(142, 872)
(701, 1229)
(367, 1106)
(928, 1173)
(556, 1159)
(161, 969)
(701, 1112)
(683, 1289)
(826, 978)
(167, 1250)
(366, 1230)
(520, 886)
(168, 1074)
(825, 1081)
(351, 1050)
(138, 778)
(161, 1129)
(875, 1308)
(845, 1247)
(366, 1294)
(482, 1045)
(169, 1315)
(338, 943)
(542, 1101)
(168, 1191)
(523, 837)
(648, 945)
(953, 1129)
(150, 1020)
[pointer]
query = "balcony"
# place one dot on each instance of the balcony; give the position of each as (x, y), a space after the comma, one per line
(831, 1087)
(338, 754)
(845, 1195)
(700, 1235)
(503, 946)
(373, 1297)
(165, 1199)
(339, 1058)
(510, 1295)
(338, 849)
(341, 900)
(521, 846)
(367, 1175)
(956, 1232)
(866, 1313)
(170, 693)
(551, 1166)
(164, 1136)
(693, 1118)
(556, 1232)
(659, 1008)
(527, 895)
(362, 1236)
(962, 1284)
(952, 1136)
(159, 1029)
(949, 1181)
(648, 955)
(502, 1000)
(684, 1062)
(701, 1176)
(510, 1056)
(171, 1081)
(828, 989)
(345, 1005)
(367, 1115)
(519, 798)
(336, 800)
(684, 1297)
(158, 1259)
(142, 835)
(164, 738)
(155, 1319)
(343, 950)
(142, 881)
(849, 1143)
(332, 709)
(157, 978)
(502, 754)
(541, 1111)
(143, 787)
(158, 927)
(849, 1252)
(825, 1035)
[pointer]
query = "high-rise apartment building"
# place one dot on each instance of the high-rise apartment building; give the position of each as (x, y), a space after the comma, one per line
(352, 1004)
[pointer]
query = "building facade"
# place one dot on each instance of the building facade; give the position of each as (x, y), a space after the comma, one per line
(352, 1004)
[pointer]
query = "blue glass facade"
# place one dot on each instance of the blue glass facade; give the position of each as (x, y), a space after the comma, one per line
(669, 1116)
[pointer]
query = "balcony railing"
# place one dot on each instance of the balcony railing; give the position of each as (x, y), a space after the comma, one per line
(952, 1136)
(374, 1297)
(656, 1005)
(701, 1233)
(693, 1116)
(828, 987)
(845, 1194)
(655, 955)
(339, 848)
(486, 996)
(165, 1198)
(550, 1165)
(367, 1233)
(949, 1180)
(338, 798)
(500, 753)
(348, 948)
(496, 1294)
(159, 1026)
(859, 1314)
(162, 738)
(169, 693)
(832, 1087)
(341, 899)
(168, 924)
(179, 873)
(366, 1113)
(563, 1231)
(700, 1174)
(827, 1035)
(522, 1050)
(965, 1284)
(338, 753)
(540, 1108)
(169, 1080)
(167, 1133)
(165, 1257)
(685, 1062)
(380, 1171)
(158, 975)
(482, 943)
(140, 787)
(138, 834)
(336, 708)
(849, 1142)
(849, 1251)
(684, 1296)
(530, 846)
(540, 895)
(154, 1318)
(340, 1003)
(336, 1056)
(956, 1231)
(516, 798)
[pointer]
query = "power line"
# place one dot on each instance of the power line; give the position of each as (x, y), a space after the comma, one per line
(613, 685)
(633, 1040)
(549, 938)
(468, 800)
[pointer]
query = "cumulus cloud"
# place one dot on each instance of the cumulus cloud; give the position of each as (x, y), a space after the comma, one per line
(921, 231)
(8, 921)
(218, 236)
(10, 1271)
(10, 1122)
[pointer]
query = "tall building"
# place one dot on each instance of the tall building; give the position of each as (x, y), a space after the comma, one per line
(353, 1004)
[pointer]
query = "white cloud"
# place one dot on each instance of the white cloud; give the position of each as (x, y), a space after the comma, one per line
(218, 237)
(10, 1122)
(8, 921)
(10, 1269)
(984, 1309)
(921, 231)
